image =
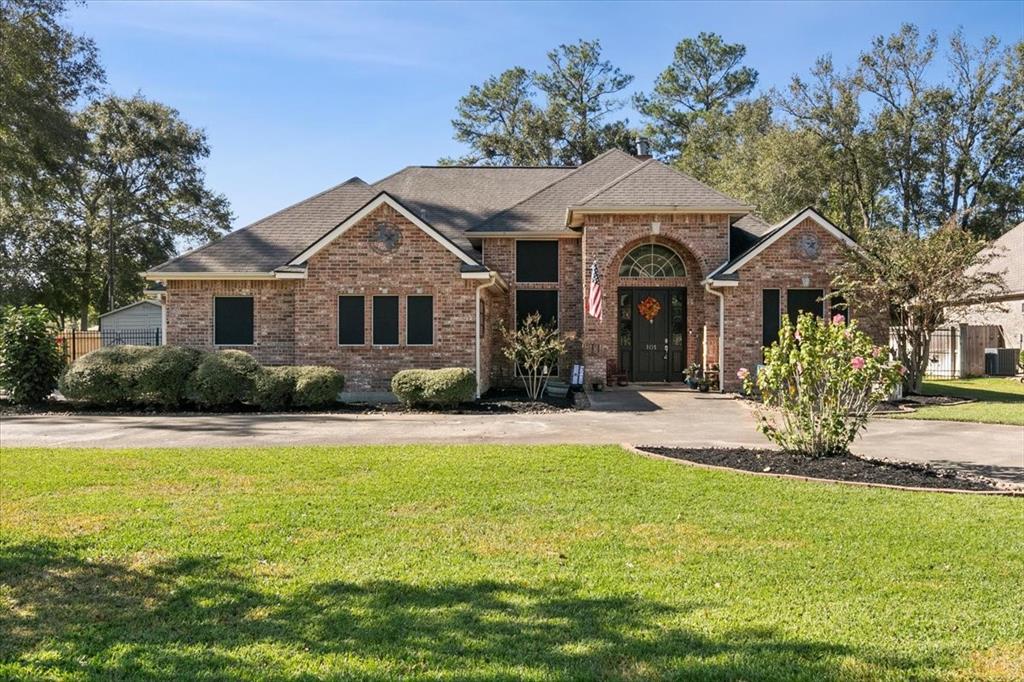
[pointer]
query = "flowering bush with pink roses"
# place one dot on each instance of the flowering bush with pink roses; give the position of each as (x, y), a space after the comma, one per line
(819, 384)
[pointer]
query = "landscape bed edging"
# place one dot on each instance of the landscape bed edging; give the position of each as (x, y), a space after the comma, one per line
(794, 477)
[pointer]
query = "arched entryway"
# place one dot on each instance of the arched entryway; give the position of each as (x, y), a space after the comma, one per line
(653, 279)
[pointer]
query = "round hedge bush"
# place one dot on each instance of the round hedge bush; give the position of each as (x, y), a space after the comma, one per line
(222, 378)
(441, 387)
(106, 376)
(317, 386)
(161, 375)
(274, 388)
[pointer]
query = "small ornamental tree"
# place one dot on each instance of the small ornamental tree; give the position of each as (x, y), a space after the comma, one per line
(534, 348)
(30, 360)
(820, 383)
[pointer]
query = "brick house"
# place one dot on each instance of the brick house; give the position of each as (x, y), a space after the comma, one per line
(420, 268)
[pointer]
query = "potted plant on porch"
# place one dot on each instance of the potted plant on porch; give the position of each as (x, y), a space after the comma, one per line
(692, 375)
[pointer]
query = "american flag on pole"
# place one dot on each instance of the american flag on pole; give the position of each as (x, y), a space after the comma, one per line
(594, 300)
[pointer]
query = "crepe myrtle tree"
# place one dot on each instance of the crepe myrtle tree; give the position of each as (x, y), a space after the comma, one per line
(820, 382)
(534, 348)
(923, 281)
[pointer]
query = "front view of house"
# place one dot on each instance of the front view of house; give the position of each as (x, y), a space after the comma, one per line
(421, 270)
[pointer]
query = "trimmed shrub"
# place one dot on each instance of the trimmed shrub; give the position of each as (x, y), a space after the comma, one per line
(225, 377)
(317, 386)
(161, 375)
(274, 388)
(30, 361)
(106, 376)
(443, 387)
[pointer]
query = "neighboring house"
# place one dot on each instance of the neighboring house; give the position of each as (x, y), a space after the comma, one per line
(141, 315)
(1006, 310)
(421, 268)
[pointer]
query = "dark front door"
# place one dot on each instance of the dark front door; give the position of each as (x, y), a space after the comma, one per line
(651, 315)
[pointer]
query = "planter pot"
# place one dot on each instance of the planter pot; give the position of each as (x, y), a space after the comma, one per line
(598, 386)
(704, 388)
(691, 382)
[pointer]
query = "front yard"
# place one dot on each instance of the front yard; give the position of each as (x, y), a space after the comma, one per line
(490, 563)
(1000, 400)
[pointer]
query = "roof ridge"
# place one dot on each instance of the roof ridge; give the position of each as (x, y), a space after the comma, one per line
(476, 167)
(703, 184)
(552, 184)
(354, 178)
(614, 182)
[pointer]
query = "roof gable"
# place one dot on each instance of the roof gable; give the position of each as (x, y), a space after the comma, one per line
(1008, 259)
(379, 200)
(727, 271)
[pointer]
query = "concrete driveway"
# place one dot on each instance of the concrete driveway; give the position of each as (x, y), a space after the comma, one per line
(646, 416)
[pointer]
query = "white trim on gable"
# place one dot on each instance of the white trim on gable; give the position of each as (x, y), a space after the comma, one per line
(374, 204)
(782, 230)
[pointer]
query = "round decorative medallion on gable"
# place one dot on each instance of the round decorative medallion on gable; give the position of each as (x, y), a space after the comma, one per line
(809, 247)
(385, 237)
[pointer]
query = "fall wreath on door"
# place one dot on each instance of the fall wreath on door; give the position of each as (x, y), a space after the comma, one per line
(649, 308)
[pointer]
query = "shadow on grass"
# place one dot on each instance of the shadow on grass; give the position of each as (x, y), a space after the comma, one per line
(196, 618)
(982, 392)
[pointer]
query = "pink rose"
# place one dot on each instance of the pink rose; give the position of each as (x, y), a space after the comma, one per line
(903, 371)
(743, 373)
(858, 362)
(796, 335)
(838, 319)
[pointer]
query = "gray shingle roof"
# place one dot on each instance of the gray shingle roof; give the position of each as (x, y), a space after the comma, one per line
(653, 184)
(544, 211)
(454, 199)
(271, 242)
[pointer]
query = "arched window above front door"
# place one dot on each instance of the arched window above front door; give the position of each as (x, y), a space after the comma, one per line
(652, 261)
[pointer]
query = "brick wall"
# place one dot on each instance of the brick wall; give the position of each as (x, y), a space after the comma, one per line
(420, 266)
(190, 315)
(499, 254)
(781, 267)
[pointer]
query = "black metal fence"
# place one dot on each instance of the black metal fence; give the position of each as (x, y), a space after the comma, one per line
(75, 343)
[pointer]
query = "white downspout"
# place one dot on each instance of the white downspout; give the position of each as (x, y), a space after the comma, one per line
(721, 336)
(479, 289)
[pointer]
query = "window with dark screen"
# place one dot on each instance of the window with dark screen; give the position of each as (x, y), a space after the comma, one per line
(543, 301)
(419, 323)
(385, 320)
(536, 261)
(351, 320)
(770, 316)
(233, 321)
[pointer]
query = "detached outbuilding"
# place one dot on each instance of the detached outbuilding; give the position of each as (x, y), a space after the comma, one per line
(139, 324)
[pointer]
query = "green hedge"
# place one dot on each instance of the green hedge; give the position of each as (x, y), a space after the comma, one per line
(107, 376)
(224, 377)
(317, 386)
(170, 376)
(30, 361)
(443, 387)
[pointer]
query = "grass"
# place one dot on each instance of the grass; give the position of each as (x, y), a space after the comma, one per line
(1000, 401)
(484, 563)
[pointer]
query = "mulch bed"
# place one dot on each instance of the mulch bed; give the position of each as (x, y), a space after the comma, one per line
(840, 468)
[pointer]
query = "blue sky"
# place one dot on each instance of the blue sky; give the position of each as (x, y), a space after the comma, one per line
(296, 97)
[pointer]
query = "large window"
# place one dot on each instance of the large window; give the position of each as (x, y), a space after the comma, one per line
(652, 261)
(385, 320)
(419, 320)
(543, 301)
(804, 301)
(232, 321)
(351, 320)
(536, 261)
(770, 316)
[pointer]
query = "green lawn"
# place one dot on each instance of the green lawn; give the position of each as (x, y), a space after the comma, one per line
(1001, 401)
(483, 563)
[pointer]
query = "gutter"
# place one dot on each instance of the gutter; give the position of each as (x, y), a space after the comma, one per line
(492, 279)
(721, 335)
